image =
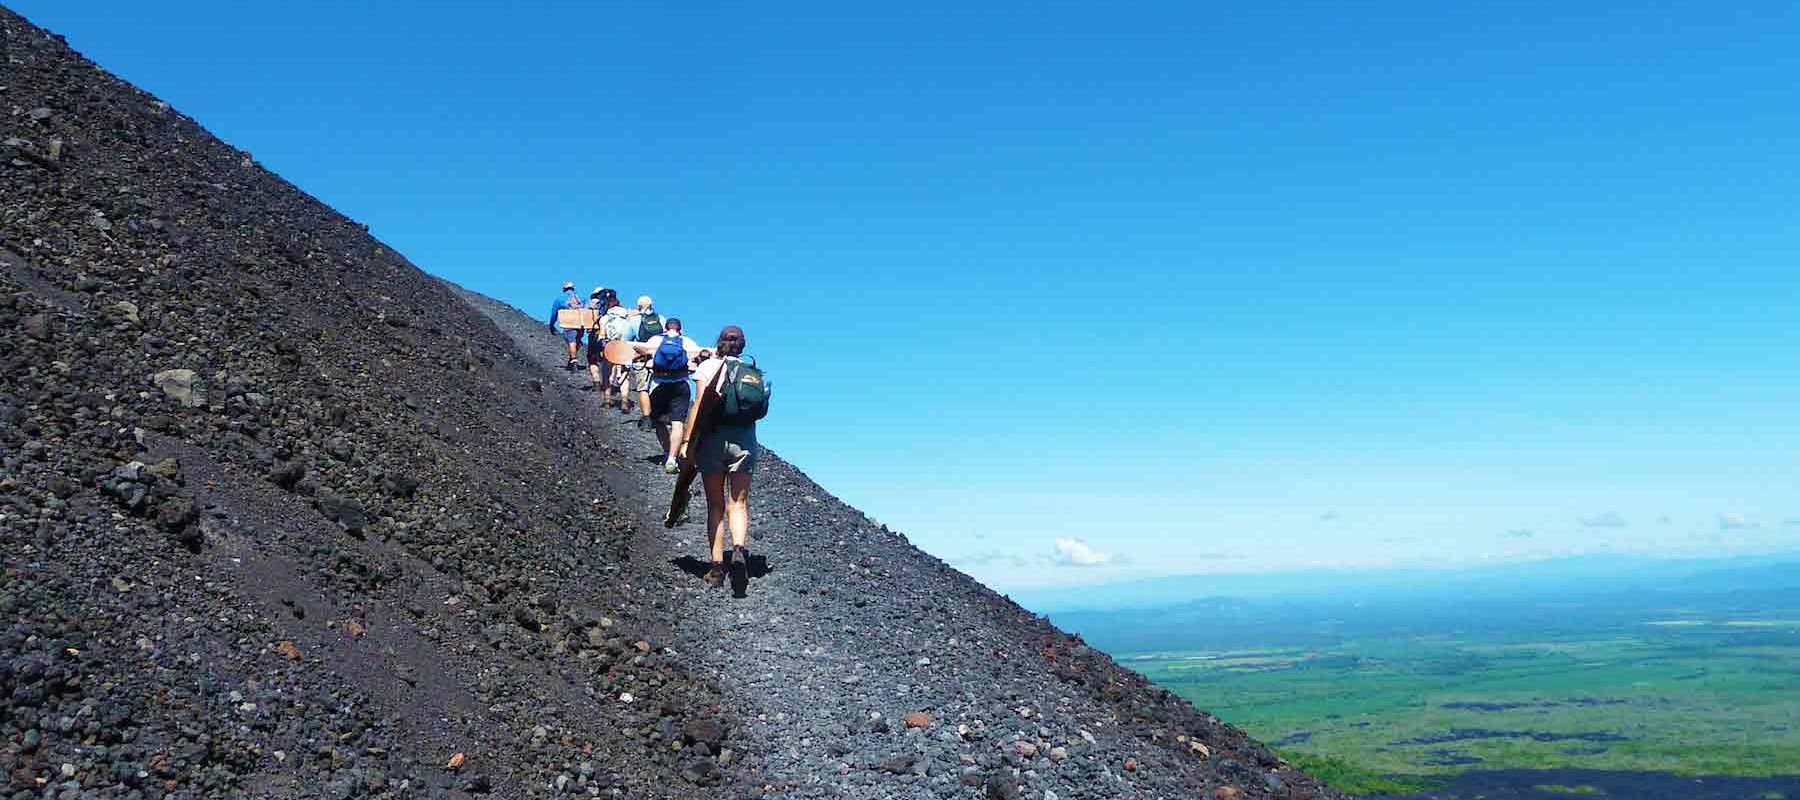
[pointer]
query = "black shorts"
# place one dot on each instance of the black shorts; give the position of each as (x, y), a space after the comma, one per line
(596, 354)
(669, 402)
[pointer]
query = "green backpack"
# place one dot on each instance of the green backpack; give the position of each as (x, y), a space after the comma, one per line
(746, 395)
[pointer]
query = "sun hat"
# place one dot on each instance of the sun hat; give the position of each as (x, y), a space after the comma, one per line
(596, 292)
(568, 285)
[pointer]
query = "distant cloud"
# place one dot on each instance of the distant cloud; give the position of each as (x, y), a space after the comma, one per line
(1606, 520)
(1071, 552)
(1792, 522)
(1521, 533)
(1399, 539)
(1664, 519)
(989, 559)
(1329, 516)
(1736, 522)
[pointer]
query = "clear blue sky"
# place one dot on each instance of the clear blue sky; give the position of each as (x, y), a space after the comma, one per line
(1196, 287)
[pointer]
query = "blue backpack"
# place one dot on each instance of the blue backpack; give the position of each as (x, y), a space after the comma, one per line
(670, 356)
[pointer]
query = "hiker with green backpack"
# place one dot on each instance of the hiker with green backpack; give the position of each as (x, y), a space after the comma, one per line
(733, 396)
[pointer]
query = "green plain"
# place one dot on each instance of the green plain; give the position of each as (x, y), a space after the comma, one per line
(1380, 715)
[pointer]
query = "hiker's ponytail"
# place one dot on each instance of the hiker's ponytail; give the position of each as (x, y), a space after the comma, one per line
(731, 341)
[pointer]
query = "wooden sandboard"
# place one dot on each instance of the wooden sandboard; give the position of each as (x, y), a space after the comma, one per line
(585, 319)
(706, 406)
(619, 353)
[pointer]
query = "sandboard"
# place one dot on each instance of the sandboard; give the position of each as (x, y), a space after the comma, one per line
(620, 353)
(706, 405)
(583, 319)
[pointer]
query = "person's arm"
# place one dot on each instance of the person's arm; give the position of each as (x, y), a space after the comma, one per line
(647, 348)
(554, 307)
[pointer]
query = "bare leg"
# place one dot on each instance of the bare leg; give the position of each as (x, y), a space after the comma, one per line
(737, 508)
(672, 440)
(715, 513)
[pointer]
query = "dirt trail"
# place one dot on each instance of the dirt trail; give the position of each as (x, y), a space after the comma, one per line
(822, 658)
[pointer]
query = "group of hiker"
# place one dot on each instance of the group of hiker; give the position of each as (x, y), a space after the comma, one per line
(711, 433)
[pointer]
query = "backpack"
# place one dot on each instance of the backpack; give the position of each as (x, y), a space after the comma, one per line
(746, 395)
(670, 356)
(649, 327)
(572, 301)
(617, 327)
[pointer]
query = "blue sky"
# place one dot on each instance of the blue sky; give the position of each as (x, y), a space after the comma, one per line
(1076, 292)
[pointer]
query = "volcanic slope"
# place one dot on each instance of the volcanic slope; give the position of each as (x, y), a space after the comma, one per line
(847, 629)
(283, 516)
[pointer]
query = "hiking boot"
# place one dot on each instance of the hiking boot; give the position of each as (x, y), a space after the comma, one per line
(671, 467)
(716, 575)
(570, 366)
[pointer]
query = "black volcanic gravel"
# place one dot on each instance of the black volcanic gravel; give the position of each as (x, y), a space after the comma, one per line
(283, 516)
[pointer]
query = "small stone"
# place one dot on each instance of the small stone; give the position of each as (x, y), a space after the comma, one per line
(625, 697)
(918, 719)
(40, 114)
(1131, 765)
(178, 384)
(37, 326)
(1059, 753)
(125, 310)
(455, 763)
(1227, 793)
(288, 649)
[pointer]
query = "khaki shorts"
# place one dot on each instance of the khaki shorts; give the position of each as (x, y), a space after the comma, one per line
(728, 448)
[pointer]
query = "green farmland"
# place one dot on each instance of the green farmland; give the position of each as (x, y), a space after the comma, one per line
(1687, 696)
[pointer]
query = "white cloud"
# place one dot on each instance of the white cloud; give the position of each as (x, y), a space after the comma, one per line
(1521, 533)
(1606, 520)
(1329, 516)
(1071, 552)
(1734, 521)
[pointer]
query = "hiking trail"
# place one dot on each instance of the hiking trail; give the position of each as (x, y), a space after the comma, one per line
(855, 665)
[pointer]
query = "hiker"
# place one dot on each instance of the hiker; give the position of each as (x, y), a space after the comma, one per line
(672, 357)
(570, 336)
(649, 324)
(619, 327)
(723, 447)
(598, 370)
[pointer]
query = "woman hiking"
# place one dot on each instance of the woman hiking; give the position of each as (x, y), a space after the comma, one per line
(722, 446)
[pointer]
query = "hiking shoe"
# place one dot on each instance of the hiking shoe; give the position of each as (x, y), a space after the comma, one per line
(716, 575)
(671, 467)
(570, 366)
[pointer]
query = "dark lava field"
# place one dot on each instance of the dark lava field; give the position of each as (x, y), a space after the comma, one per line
(284, 516)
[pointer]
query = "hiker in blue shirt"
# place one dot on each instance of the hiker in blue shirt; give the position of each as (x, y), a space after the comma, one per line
(571, 336)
